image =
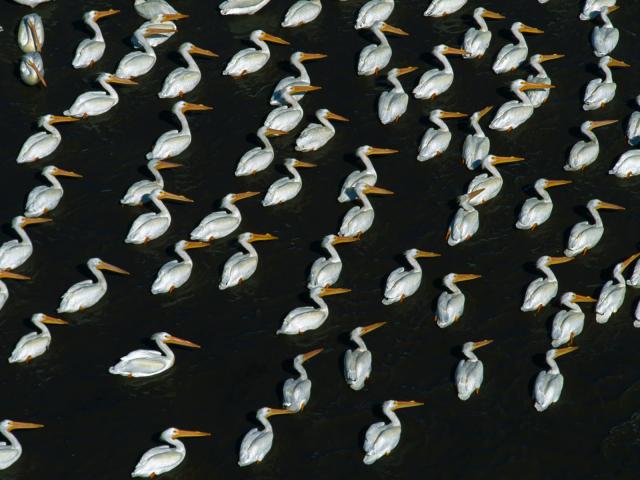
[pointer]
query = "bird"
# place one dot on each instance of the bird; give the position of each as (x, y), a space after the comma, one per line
(32, 69)
(442, 8)
(357, 362)
(476, 145)
(147, 363)
(13, 253)
(316, 135)
(42, 199)
(139, 192)
(42, 144)
(183, 80)
(437, 81)
(258, 158)
(90, 50)
(613, 292)
(240, 266)
(359, 219)
(87, 293)
(303, 319)
(31, 33)
(256, 443)
(242, 7)
(628, 165)
(221, 223)
(450, 306)
(535, 211)
(584, 235)
(135, 64)
(470, 371)
(605, 38)
(490, 182)
(301, 13)
(634, 280)
(90, 104)
(152, 8)
(402, 283)
(162, 27)
(514, 113)
(476, 41)
(436, 141)
(297, 60)
(568, 324)
(296, 392)
(175, 274)
(373, 11)
(250, 60)
(326, 271)
(4, 291)
(511, 56)
(368, 176)
(633, 126)
(599, 92)
(373, 57)
(543, 289)
(583, 153)
(548, 384)
(31, 3)
(465, 222)
(34, 344)
(286, 188)
(392, 104)
(10, 453)
(286, 118)
(539, 96)
(592, 8)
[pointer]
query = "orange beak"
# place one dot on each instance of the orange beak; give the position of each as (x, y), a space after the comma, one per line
(528, 29)
(556, 183)
(455, 51)
(629, 261)
(333, 291)
(303, 88)
(112, 268)
(405, 70)
(192, 245)
(262, 237)
(62, 119)
(494, 15)
(500, 160)
(557, 260)
(408, 404)
(311, 354)
(377, 191)
(609, 206)
(391, 29)
(583, 298)
(602, 123)
(340, 239)
(13, 276)
(190, 433)
(173, 16)
(481, 343)
(122, 81)
(371, 328)
(275, 133)
(54, 321)
(58, 172)
(312, 56)
(425, 254)
(157, 31)
(335, 116)
(34, 34)
(617, 63)
(381, 151)
(243, 195)
(31, 221)
(23, 425)
(299, 164)
(564, 351)
(105, 13)
(278, 411)
(202, 51)
(484, 111)
(453, 115)
(181, 341)
(38, 73)
(162, 165)
(273, 39)
(195, 106)
(535, 86)
(172, 196)
(553, 56)
(463, 277)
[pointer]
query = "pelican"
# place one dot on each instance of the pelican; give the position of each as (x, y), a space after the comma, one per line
(393, 103)
(297, 59)
(288, 117)
(317, 135)
(514, 113)
(175, 274)
(600, 92)
(634, 281)
(34, 344)
(374, 58)
(242, 7)
(628, 164)
(442, 8)
(548, 386)
(605, 38)
(583, 153)
(31, 33)
(476, 41)
(301, 12)
(402, 283)
(568, 324)
(436, 81)
(32, 69)
(147, 363)
(31, 3)
(451, 304)
(633, 126)
(250, 60)
(4, 291)
(613, 292)
(257, 443)
(381, 438)
(374, 11)
(476, 145)
(511, 56)
(11, 452)
(303, 319)
(14, 253)
(162, 27)
(139, 192)
(182, 80)
(152, 8)
(43, 199)
(136, 64)
(535, 211)
(326, 271)
(368, 176)
(152, 225)
(543, 289)
(584, 235)
(219, 224)
(42, 144)
(286, 188)
(592, 8)
(470, 371)
(359, 219)
(357, 363)
(90, 104)
(491, 182)
(159, 460)
(540, 96)
(296, 392)
(258, 158)
(436, 141)
(90, 50)
(465, 222)
(241, 266)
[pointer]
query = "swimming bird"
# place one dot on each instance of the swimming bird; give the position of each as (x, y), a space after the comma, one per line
(476, 41)
(514, 113)
(543, 289)
(402, 283)
(31, 3)
(316, 135)
(90, 104)
(374, 58)
(548, 385)
(511, 56)
(599, 92)
(450, 305)
(326, 271)
(357, 362)
(634, 280)
(32, 69)
(568, 324)
(286, 118)
(42, 144)
(34, 344)
(470, 371)
(605, 38)
(436, 141)
(535, 211)
(13, 253)
(257, 443)
(465, 222)
(476, 146)
(583, 153)
(368, 176)
(286, 188)
(628, 165)
(152, 225)
(163, 27)
(374, 11)
(152, 8)
(241, 266)
(297, 60)
(296, 392)
(31, 33)
(258, 158)
(135, 64)
(221, 223)
(613, 292)
(359, 219)
(442, 8)
(183, 80)
(303, 319)
(584, 235)
(539, 96)
(490, 182)
(90, 50)
(43, 198)
(250, 60)
(11, 452)
(592, 8)
(139, 192)
(242, 7)
(633, 126)
(175, 274)
(4, 291)
(393, 103)
(302, 12)
(437, 81)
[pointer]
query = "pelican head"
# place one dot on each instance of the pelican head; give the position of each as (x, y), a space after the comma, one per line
(446, 50)
(42, 318)
(260, 35)
(612, 62)
(163, 195)
(183, 107)
(547, 261)
(174, 433)
(257, 237)
(102, 265)
(460, 277)
(360, 331)
(9, 425)
(234, 197)
(303, 357)
(483, 12)
(52, 119)
(326, 291)
(398, 72)
(521, 27)
(571, 297)
(165, 337)
(188, 245)
(558, 352)
(12, 275)
(368, 150)
(58, 172)
(397, 404)
(385, 27)
(498, 160)
(444, 114)
(599, 204)
(21, 221)
(162, 164)
(293, 89)
(539, 58)
(622, 266)
(416, 253)
(522, 85)
(544, 183)
(481, 113)
(293, 163)
(469, 347)
(110, 78)
(329, 115)
(337, 239)
(96, 15)
(591, 124)
(303, 57)
(190, 48)
(368, 189)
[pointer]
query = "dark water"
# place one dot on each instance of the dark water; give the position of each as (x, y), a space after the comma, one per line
(98, 425)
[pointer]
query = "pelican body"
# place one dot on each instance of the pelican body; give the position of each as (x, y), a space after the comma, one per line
(162, 28)
(11, 452)
(31, 33)
(297, 60)
(436, 141)
(584, 235)
(152, 8)
(393, 103)
(286, 188)
(32, 69)
(152, 225)
(241, 266)
(303, 319)
(258, 158)
(539, 96)
(368, 176)
(592, 8)
(490, 183)
(543, 289)
(183, 80)
(436, 81)
(583, 153)
(613, 292)
(94, 103)
(31, 3)
(139, 192)
(568, 324)
(605, 38)
(548, 385)
(514, 113)
(175, 274)
(317, 135)
(628, 165)
(374, 11)
(374, 58)
(302, 12)
(326, 271)
(286, 118)
(42, 144)
(465, 222)
(4, 291)
(511, 56)
(402, 283)
(470, 371)
(450, 306)
(14, 253)
(476, 146)
(250, 60)
(599, 92)
(135, 64)
(296, 392)
(359, 219)
(442, 8)
(219, 224)
(34, 344)
(43, 199)
(242, 7)
(256, 443)
(476, 41)
(357, 362)
(536, 211)
(633, 126)
(90, 50)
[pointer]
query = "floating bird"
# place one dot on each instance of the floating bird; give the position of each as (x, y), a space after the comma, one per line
(257, 443)
(357, 363)
(539, 96)
(584, 235)
(634, 280)
(583, 153)
(250, 60)
(90, 50)
(442, 8)
(296, 392)
(287, 117)
(613, 292)
(535, 211)
(241, 266)
(491, 182)
(258, 158)
(511, 56)
(42, 144)
(297, 60)
(4, 291)
(450, 305)
(301, 12)
(31, 33)
(152, 8)
(32, 69)
(326, 271)
(286, 188)
(543, 289)
(514, 113)
(436, 141)
(476, 41)
(368, 176)
(303, 319)
(242, 7)
(135, 64)
(470, 371)
(219, 224)
(163, 27)
(592, 8)
(34, 344)
(90, 104)
(374, 11)
(393, 103)
(476, 146)
(568, 324)
(175, 274)
(43, 199)
(139, 192)
(605, 38)
(436, 81)
(31, 3)
(465, 222)
(402, 283)
(599, 92)
(14, 253)
(633, 126)
(628, 165)
(317, 135)
(548, 386)
(182, 80)
(374, 58)
(10, 453)
(359, 219)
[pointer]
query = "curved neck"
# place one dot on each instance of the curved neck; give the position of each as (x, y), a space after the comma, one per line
(160, 206)
(480, 21)
(491, 168)
(55, 183)
(440, 123)
(248, 247)
(391, 415)
(381, 36)
(295, 173)
(51, 129)
(475, 124)
(110, 90)
(397, 86)
(368, 166)
(191, 63)
(265, 422)
(98, 274)
(262, 135)
(329, 247)
(297, 364)
(543, 194)
(97, 33)
(522, 96)
(234, 211)
(451, 285)
(596, 216)
(42, 327)
(176, 443)
(551, 277)
(572, 305)
(148, 49)
(466, 206)
(182, 253)
(303, 75)
(324, 121)
(414, 263)
(262, 45)
(553, 366)
(518, 34)
(617, 274)
(156, 175)
(366, 204)
(589, 134)
(445, 62)
(357, 339)
(22, 234)
(608, 77)
(293, 103)
(537, 66)
(182, 118)
(471, 356)
(13, 441)
(605, 19)
(164, 348)
(320, 302)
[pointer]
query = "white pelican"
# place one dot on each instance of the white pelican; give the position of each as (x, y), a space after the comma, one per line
(175, 274)
(470, 371)
(599, 92)
(182, 80)
(258, 158)
(374, 58)
(34, 344)
(317, 135)
(633, 126)
(476, 41)
(152, 225)
(42, 144)
(250, 60)
(540, 95)
(628, 164)
(301, 12)
(242, 7)
(548, 386)
(303, 319)
(592, 8)
(368, 176)
(139, 192)
(511, 56)
(11, 452)
(450, 305)
(87, 293)
(543, 289)
(357, 363)
(535, 211)
(374, 11)
(568, 324)
(240, 266)
(296, 392)
(4, 291)
(584, 235)
(31, 3)
(14, 253)
(465, 222)
(90, 50)
(152, 8)
(359, 219)
(287, 117)
(147, 363)
(436, 141)
(32, 69)
(257, 443)
(402, 283)
(286, 188)
(613, 292)
(476, 146)
(491, 182)
(381, 438)
(393, 103)
(162, 27)
(514, 113)
(219, 224)
(605, 38)
(634, 280)
(136, 63)
(31, 33)
(43, 199)
(437, 81)
(94, 103)
(583, 153)
(442, 8)
(297, 59)
(326, 271)
(165, 458)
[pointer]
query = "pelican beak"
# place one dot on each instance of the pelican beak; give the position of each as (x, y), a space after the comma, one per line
(463, 277)
(381, 151)
(243, 195)
(557, 260)
(553, 56)
(335, 116)
(408, 404)
(157, 31)
(195, 106)
(453, 115)
(564, 351)
(602, 123)
(371, 328)
(500, 160)
(405, 70)
(425, 254)
(62, 119)
(303, 88)
(278, 411)
(629, 260)
(202, 51)
(340, 239)
(617, 63)
(311, 354)
(613, 8)
(38, 73)
(112, 268)
(556, 183)
(191, 245)
(173, 16)
(105, 13)
(275, 133)
(31, 221)
(273, 39)
(181, 341)
(13, 276)
(122, 81)
(377, 191)
(528, 29)
(262, 237)
(481, 343)
(299, 164)
(190, 433)
(162, 165)
(609, 206)
(333, 291)
(484, 111)
(475, 193)
(535, 86)
(23, 425)
(173, 196)
(34, 34)
(312, 56)
(54, 321)
(494, 15)
(583, 298)
(66, 173)
(454, 51)
(391, 29)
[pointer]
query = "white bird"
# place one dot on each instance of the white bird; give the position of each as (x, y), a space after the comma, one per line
(11, 452)
(165, 458)
(465, 222)
(476, 41)
(568, 324)
(592, 8)
(183, 80)
(584, 235)
(437, 81)
(303, 319)
(90, 104)
(583, 153)
(450, 306)
(316, 135)
(4, 291)
(402, 283)
(470, 371)
(136, 64)
(258, 158)
(543, 289)
(540, 95)
(152, 8)
(436, 141)
(476, 146)
(368, 176)
(511, 56)
(221, 223)
(535, 211)
(381, 438)
(31, 3)
(599, 92)
(296, 392)
(442, 8)
(514, 113)
(14, 253)
(357, 362)
(392, 104)
(257, 443)
(326, 271)
(241, 266)
(359, 219)
(242, 7)
(90, 50)
(42, 144)
(43, 199)
(634, 280)
(605, 38)
(375, 57)
(250, 60)
(163, 27)
(34, 344)
(548, 386)
(490, 182)
(32, 69)
(297, 60)
(139, 192)
(174, 273)
(633, 126)
(374, 11)
(147, 363)
(31, 33)
(628, 165)
(286, 118)
(613, 292)
(286, 188)
(302, 12)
